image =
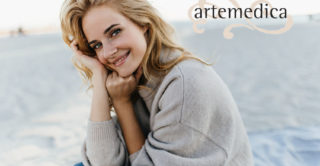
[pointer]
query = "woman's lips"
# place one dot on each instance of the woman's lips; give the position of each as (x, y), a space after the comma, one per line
(122, 59)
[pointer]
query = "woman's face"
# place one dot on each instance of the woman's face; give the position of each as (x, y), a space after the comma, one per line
(118, 42)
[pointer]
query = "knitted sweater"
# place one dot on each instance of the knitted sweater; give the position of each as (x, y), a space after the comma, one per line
(190, 119)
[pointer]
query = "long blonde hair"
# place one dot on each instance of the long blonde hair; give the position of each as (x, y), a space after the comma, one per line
(141, 12)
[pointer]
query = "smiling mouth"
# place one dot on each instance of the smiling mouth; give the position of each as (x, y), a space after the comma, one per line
(122, 59)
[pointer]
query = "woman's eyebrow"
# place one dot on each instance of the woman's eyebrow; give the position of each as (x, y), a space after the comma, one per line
(110, 27)
(105, 32)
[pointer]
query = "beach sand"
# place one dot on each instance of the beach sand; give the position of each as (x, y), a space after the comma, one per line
(44, 108)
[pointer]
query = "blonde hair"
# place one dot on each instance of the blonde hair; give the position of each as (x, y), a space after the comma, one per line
(140, 12)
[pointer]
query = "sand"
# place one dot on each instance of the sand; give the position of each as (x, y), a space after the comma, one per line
(273, 78)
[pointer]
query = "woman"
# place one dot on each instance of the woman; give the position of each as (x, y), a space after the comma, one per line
(182, 113)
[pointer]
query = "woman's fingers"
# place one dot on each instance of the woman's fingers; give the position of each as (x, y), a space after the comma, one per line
(91, 63)
(79, 55)
(73, 46)
(112, 77)
(75, 49)
(114, 74)
(73, 43)
(77, 52)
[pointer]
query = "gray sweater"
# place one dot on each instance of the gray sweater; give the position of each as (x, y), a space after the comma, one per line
(190, 119)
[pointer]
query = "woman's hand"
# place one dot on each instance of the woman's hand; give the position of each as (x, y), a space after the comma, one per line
(100, 107)
(120, 89)
(91, 63)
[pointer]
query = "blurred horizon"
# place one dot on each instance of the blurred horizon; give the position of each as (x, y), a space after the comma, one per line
(32, 19)
(47, 29)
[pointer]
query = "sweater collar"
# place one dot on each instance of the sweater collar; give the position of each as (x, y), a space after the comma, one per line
(166, 55)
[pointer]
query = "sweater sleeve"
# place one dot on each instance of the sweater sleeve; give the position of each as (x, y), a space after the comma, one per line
(178, 145)
(104, 145)
(173, 142)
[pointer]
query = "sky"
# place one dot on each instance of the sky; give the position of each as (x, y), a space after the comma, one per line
(39, 13)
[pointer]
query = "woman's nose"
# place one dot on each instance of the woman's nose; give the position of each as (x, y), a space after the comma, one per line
(109, 51)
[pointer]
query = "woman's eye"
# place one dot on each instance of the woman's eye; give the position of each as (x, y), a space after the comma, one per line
(97, 46)
(115, 32)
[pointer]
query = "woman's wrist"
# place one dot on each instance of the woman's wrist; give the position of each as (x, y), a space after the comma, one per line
(118, 104)
(99, 77)
(100, 109)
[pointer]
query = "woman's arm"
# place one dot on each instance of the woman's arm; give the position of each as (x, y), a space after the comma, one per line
(194, 121)
(130, 127)
(120, 90)
(104, 145)
(100, 109)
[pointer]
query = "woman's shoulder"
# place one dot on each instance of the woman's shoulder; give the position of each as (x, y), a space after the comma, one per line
(198, 90)
(193, 67)
(193, 71)
(193, 75)
(194, 81)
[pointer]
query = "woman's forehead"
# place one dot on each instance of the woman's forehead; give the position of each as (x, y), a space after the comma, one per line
(99, 18)
(102, 14)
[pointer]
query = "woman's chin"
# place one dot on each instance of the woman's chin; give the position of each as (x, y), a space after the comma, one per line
(127, 72)
(124, 74)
